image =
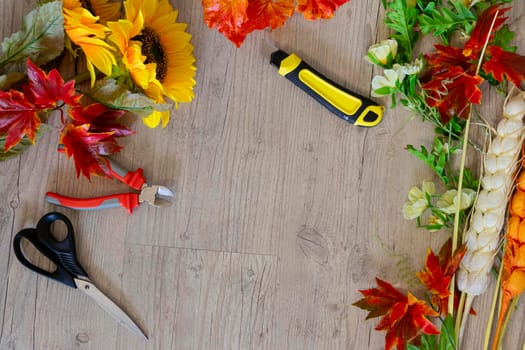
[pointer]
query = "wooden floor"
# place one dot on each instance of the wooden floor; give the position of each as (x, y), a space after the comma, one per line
(283, 211)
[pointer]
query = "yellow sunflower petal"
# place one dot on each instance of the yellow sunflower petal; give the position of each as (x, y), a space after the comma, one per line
(155, 118)
(106, 10)
(83, 29)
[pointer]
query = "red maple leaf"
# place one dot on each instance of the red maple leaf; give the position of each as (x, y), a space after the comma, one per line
(449, 56)
(452, 92)
(45, 90)
(100, 118)
(88, 149)
(482, 30)
(506, 64)
(438, 273)
(91, 136)
(404, 317)
(317, 9)
(18, 117)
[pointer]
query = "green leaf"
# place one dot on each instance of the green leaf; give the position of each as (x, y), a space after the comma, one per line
(447, 339)
(41, 37)
(20, 147)
(443, 22)
(117, 96)
(503, 37)
(402, 19)
(428, 342)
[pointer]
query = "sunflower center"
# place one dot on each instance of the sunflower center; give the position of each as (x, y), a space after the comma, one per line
(153, 50)
(87, 5)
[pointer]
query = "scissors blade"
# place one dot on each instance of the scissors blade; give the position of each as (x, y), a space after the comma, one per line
(107, 304)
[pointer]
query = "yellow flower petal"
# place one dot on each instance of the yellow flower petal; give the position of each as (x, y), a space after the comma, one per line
(83, 29)
(154, 119)
(164, 47)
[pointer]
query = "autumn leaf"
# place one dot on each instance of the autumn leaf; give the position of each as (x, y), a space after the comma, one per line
(101, 119)
(482, 30)
(379, 301)
(91, 136)
(268, 13)
(318, 9)
(452, 92)
(449, 56)
(503, 64)
(45, 90)
(237, 18)
(18, 118)
(228, 16)
(438, 273)
(88, 149)
(404, 317)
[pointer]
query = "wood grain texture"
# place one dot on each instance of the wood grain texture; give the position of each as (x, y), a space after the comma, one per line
(283, 212)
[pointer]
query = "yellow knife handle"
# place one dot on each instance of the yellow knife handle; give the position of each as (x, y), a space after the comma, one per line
(347, 105)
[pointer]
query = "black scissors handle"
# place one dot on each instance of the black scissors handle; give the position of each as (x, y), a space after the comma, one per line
(61, 253)
(64, 250)
(59, 274)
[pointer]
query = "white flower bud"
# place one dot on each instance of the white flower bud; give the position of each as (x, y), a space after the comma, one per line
(383, 53)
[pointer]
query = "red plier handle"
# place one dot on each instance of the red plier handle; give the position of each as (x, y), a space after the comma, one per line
(129, 201)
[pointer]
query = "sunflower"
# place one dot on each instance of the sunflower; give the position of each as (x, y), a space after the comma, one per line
(105, 9)
(151, 41)
(83, 29)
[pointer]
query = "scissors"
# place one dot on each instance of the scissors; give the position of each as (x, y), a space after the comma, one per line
(155, 195)
(68, 270)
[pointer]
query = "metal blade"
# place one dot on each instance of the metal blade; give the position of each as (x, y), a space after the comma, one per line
(107, 304)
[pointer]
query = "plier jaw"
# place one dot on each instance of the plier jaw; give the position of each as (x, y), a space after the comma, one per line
(157, 196)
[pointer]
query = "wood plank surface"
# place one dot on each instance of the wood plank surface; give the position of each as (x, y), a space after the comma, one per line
(283, 211)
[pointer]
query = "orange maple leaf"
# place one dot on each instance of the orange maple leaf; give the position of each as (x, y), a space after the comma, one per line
(318, 9)
(237, 18)
(438, 273)
(404, 317)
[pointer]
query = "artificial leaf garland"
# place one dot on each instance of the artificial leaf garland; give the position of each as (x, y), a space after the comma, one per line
(237, 18)
(442, 87)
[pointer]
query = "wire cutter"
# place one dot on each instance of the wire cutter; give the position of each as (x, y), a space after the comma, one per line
(155, 195)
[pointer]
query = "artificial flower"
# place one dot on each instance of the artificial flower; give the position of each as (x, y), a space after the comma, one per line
(411, 68)
(383, 85)
(418, 200)
(107, 10)
(383, 53)
(435, 223)
(447, 203)
(83, 29)
(151, 41)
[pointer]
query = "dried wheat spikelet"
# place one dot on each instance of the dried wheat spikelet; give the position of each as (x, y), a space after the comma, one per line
(483, 235)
